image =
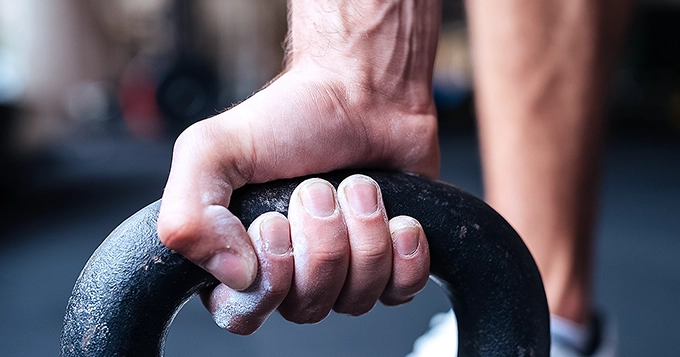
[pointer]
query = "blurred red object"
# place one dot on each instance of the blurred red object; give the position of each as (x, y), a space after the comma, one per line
(137, 97)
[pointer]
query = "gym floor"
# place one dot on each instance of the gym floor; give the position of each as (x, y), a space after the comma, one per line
(71, 198)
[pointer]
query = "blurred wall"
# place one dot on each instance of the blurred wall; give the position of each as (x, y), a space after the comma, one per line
(57, 45)
(249, 35)
(73, 53)
(71, 56)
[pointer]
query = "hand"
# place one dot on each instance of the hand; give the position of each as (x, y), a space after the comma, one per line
(294, 127)
(347, 99)
(289, 130)
(343, 256)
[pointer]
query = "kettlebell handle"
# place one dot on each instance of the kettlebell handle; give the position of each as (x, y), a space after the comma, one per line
(132, 287)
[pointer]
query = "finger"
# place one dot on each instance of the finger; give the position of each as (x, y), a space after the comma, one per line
(370, 263)
(321, 252)
(193, 218)
(243, 312)
(411, 261)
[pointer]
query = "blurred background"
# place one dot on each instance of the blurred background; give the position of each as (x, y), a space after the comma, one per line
(93, 93)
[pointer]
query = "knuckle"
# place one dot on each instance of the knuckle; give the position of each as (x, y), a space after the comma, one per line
(188, 136)
(409, 285)
(372, 252)
(394, 301)
(329, 257)
(309, 315)
(177, 232)
(199, 136)
(274, 290)
(241, 325)
(194, 131)
(353, 308)
(306, 308)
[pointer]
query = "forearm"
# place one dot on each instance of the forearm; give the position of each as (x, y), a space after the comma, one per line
(382, 46)
(541, 107)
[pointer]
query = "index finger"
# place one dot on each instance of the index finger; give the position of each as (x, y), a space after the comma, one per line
(194, 219)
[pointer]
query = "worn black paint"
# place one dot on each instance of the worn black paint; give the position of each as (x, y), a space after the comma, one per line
(132, 286)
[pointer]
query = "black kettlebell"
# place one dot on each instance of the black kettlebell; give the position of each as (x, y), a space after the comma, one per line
(132, 286)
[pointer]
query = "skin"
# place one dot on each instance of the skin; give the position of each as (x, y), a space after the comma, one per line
(541, 145)
(356, 93)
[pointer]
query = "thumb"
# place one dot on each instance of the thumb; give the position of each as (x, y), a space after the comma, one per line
(194, 220)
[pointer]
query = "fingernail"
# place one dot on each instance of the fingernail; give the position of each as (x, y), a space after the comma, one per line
(405, 234)
(231, 269)
(318, 199)
(275, 233)
(362, 195)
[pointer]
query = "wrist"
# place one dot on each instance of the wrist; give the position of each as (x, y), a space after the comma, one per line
(374, 123)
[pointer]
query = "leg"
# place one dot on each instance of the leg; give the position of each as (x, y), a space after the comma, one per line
(542, 69)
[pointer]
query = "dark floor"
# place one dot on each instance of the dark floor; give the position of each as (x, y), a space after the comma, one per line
(78, 193)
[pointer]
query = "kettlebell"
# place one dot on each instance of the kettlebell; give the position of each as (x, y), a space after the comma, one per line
(132, 287)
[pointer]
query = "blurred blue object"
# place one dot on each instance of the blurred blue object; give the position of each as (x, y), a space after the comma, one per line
(12, 82)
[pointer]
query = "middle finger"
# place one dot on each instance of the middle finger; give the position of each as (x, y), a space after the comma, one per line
(321, 251)
(370, 245)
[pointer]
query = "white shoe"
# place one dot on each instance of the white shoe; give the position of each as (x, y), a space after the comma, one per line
(602, 340)
(442, 340)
